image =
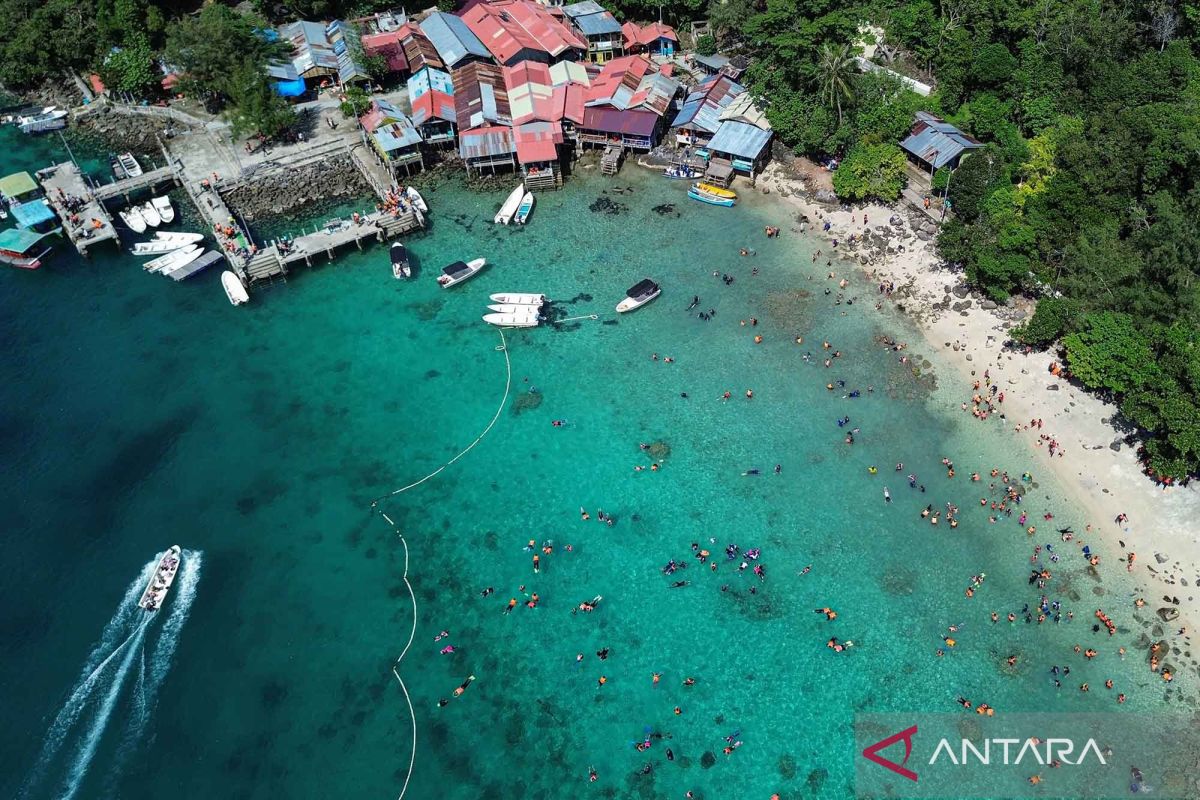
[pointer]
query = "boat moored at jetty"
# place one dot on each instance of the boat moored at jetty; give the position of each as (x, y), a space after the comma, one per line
(234, 289)
(133, 219)
(510, 206)
(161, 580)
(519, 298)
(49, 118)
(415, 198)
(679, 171)
(129, 165)
(165, 242)
(458, 272)
(163, 206)
(174, 259)
(525, 209)
(149, 214)
(638, 295)
(20, 248)
(401, 268)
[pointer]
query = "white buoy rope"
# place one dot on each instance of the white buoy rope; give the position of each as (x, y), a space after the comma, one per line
(412, 760)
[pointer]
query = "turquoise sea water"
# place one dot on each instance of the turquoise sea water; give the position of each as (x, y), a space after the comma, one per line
(138, 413)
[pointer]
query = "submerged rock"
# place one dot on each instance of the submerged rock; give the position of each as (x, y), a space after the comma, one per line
(526, 402)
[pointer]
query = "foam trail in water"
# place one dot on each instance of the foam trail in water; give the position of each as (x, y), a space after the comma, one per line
(117, 634)
(87, 750)
(180, 603)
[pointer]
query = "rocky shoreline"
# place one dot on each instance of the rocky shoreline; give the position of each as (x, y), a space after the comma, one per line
(284, 191)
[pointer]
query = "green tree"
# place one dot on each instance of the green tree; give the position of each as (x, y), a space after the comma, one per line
(131, 69)
(835, 73)
(357, 102)
(1053, 318)
(1110, 354)
(706, 45)
(216, 48)
(256, 107)
(870, 171)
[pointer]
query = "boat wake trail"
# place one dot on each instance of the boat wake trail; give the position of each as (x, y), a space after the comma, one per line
(114, 670)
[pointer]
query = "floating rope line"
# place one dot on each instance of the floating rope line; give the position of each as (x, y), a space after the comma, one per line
(503, 348)
(572, 319)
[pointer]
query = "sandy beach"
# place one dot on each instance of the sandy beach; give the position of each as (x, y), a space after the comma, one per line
(1093, 463)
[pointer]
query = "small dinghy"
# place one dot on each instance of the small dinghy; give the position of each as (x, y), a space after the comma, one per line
(528, 318)
(129, 165)
(174, 259)
(401, 268)
(711, 199)
(234, 289)
(133, 219)
(415, 198)
(512, 308)
(165, 243)
(519, 298)
(525, 209)
(638, 295)
(150, 215)
(163, 206)
(458, 272)
(510, 206)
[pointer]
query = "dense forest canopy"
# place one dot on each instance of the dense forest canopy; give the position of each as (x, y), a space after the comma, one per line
(1085, 195)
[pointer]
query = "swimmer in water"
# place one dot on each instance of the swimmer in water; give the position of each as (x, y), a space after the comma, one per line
(887, 496)
(751, 472)
(462, 687)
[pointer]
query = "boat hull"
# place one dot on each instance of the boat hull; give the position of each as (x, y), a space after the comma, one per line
(473, 269)
(133, 219)
(161, 580)
(510, 206)
(415, 198)
(525, 209)
(633, 304)
(234, 289)
(716, 191)
(513, 320)
(164, 208)
(519, 298)
(150, 215)
(401, 268)
(711, 200)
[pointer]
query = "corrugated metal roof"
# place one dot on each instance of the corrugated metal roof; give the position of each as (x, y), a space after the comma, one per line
(420, 52)
(429, 79)
(703, 107)
(714, 62)
(479, 96)
(568, 102)
(387, 44)
(17, 184)
(19, 240)
(486, 142)
(452, 39)
(598, 24)
(536, 141)
(283, 71)
(322, 47)
(742, 109)
(433, 105)
(507, 27)
(530, 95)
(936, 141)
(612, 120)
(582, 9)
(739, 139)
(569, 72)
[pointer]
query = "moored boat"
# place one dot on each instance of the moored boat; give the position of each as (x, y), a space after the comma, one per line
(510, 206)
(458, 272)
(165, 243)
(527, 318)
(638, 295)
(149, 214)
(163, 206)
(717, 191)
(49, 118)
(711, 199)
(176, 258)
(519, 298)
(161, 580)
(234, 289)
(133, 219)
(130, 165)
(401, 268)
(525, 209)
(415, 198)
(513, 308)
(20, 248)
(679, 171)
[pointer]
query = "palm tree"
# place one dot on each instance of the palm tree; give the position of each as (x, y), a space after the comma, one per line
(835, 75)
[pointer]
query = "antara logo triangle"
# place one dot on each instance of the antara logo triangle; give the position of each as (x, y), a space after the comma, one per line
(872, 752)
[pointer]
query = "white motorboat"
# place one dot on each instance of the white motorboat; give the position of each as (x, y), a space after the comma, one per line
(150, 215)
(458, 272)
(525, 209)
(49, 118)
(638, 295)
(129, 165)
(161, 580)
(163, 206)
(401, 267)
(234, 289)
(513, 308)
(529, 318)
(133, 219)
(176, 258)
(178, 236)
(415, 198)
(510, 206)
(163, 244)
(519, 298)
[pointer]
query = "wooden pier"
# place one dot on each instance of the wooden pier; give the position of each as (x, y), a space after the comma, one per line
(127, 186)
(610, 162)
(380, 226)
(89, 223)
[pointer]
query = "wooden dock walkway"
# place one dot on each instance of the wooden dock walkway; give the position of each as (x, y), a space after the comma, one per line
(127, 186)
(380, 226)
(89, 223)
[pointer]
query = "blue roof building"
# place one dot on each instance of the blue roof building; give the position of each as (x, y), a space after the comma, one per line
(35, 215)
(935, 143)
(453, 40)
(429, 79)
(742, 144)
